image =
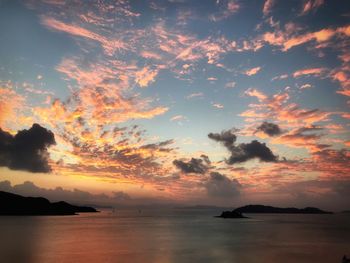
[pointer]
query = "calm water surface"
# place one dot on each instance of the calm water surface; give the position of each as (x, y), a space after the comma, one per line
(174, 235)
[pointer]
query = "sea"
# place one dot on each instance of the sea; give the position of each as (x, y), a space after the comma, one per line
(174, 235)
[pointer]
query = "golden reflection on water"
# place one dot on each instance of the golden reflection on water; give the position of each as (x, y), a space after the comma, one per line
(173, 237)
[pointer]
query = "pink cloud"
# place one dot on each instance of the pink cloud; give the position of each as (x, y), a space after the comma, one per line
(252, 71)
(109, 45)
(305, 86)
(310, 5)
(287, 39)
(145, 76)
(309, 71)
(268, 5)
(255, 93)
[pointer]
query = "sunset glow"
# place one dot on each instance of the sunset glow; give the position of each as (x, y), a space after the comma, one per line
(221, 102)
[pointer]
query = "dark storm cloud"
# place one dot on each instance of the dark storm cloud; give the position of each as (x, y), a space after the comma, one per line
(227, 138)
(206, 159)
(195, 165)
(246, 151)
(218, 185)
(27, 150)
(243, 151)
(269, 128)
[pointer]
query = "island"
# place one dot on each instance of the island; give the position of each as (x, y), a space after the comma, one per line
(13, 204)
(231, 214)
(277, 210)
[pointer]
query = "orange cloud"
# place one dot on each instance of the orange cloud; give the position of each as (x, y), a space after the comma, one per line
(11, 109)
(311, 5)
(309, 71)
(252, 71)
(255, 93)
(342, 76)
(287, 40)
(305, 137)
(276, 107)
(109, 45)
(145, 76)
(150, 55)
(305, 86)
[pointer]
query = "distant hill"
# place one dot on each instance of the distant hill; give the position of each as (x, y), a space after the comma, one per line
(278, 210)
(12, 204)
(231, 214)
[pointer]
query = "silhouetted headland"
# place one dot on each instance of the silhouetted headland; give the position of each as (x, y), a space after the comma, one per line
(278, 210)
(231, 214)
(12, 204)
(345, 259)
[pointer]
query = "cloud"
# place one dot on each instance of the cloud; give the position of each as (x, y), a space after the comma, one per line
(227, 138)
(11, 104)
(342, 75)
(150, 55)
(283, 76)
(311, 5)
(276, 107)
(178, 118)
(228, 8)
(145, 76)
(252, 71)
(219, 185)
(217, 105)
(302, 137)
(195, 165)
(27, 150)
(76, 196)
(269, 128)
(289, 38)
(247, 151)
(230, 85)
(244, 151)
(195, 95)
(267, 8)
(255, 93)
(109, 45)
(305, 86)
(309, 71)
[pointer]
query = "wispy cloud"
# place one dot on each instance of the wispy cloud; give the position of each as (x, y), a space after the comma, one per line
(195, 95)
(309, 71)
(217, 105)
(267, 8)
(311, 5)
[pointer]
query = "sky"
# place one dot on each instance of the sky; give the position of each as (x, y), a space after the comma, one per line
(224, 102)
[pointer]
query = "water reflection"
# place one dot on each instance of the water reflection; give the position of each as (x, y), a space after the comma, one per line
(174, 236)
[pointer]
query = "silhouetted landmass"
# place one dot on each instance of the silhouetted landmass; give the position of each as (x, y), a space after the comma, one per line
(231, 214)
(345, 259)
(346, 212)
(278, 210)
(12, 204)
